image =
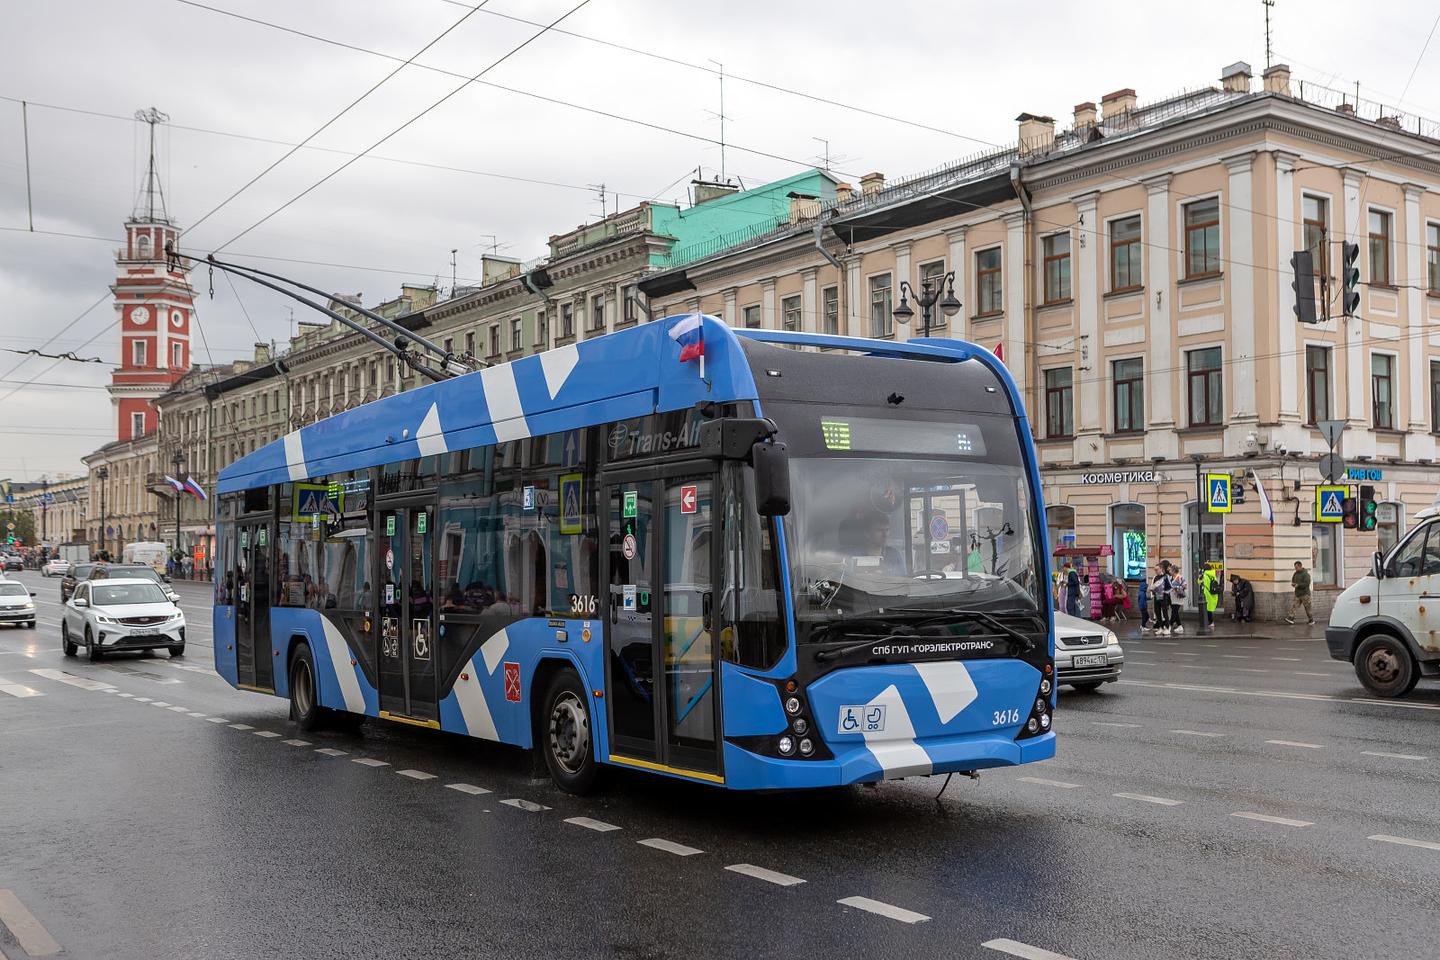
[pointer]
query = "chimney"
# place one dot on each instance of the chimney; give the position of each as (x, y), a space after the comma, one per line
(1037, 134)
(703, 191)
(1236, 77)
(872, 183)
(1392, 123)
(1277, 79)
(1084, 116)
(262, 353)
(803, 206)
(844, 193)
(1114, 104)
(1346, 108)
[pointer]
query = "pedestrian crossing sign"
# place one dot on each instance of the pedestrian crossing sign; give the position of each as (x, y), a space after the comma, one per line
(1330, 503)
(1219, 486)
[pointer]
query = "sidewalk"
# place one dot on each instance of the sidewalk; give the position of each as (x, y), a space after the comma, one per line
(1224, 628)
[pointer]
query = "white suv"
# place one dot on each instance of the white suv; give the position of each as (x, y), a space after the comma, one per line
(121, 614)
(1388, 624)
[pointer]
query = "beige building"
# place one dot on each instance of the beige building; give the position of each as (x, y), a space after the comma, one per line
(122, 478)
(1133, 270)
(60, 518)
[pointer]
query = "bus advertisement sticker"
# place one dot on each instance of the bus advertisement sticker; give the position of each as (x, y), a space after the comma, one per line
(862, 718)
(512, 682)
(627, 592)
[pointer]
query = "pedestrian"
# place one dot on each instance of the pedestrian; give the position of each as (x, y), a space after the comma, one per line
(1300, 580)
(1210, 593)
(1178, 590)
(1143, 596)
(1072, 590)
(1160, 594)
(1244, 593)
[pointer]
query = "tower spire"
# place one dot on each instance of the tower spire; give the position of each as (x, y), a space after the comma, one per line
(151, 192)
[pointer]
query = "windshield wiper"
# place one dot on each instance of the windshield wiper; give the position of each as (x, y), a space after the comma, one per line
(1026, 644)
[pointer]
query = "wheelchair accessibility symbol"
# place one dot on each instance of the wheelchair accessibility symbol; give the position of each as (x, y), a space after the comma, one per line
(862, 718)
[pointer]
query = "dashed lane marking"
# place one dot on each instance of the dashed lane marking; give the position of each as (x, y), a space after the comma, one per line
(1023, 950)
(1282, 695)
(159, 703)
(1295, 743)
(18, 689)
(197, 716)
(142, 699)
(529, 806)
(330, 752)
(469, 788)
(769, 876)
(33, 938)
(267, 734)
(1288, 659)
(1113, 723)
(669, 846)
(883, 909)
(1308, 673)
(1405, 841)
(1197, 733)
(599, 826)
(1236, 656)
(84, 683)
(1266, 818)
(1394, 756)
(1162, 801)
(416, 774)
(1049, 783)
(241, 726)
(296, 743)
(1179, 653)
(217, 719)
(127, 696)
(370, 762)
(179, 709)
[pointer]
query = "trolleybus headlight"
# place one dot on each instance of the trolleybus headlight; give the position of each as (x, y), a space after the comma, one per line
(786, 746)
(1032, 725)
(792, 705)
(1045, 685)
(1045, 721)
(1040, 706)
(800, 725)
(806, 747)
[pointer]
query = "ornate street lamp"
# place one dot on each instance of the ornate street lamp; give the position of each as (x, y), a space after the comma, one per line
(179, 461)
(928, 298)
(102, 473)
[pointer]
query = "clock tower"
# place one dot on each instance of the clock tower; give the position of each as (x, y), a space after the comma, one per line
(154, 304)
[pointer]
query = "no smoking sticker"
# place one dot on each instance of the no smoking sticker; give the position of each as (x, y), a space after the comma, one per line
(627, 546)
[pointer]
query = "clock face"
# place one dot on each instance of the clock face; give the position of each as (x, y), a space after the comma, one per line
(140, 316)
(177, 319)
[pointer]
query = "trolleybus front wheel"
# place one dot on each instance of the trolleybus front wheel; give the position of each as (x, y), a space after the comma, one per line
(566, 735)
(305, 706)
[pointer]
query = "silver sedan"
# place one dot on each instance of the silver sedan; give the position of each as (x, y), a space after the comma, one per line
(121, 614)
(1086, 654)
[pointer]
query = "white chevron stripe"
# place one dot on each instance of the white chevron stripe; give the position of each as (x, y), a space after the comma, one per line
(344, 670)
(558, 364)
(894, 748)
(502, 397)
(470, 697)
(950, 687)
(295, 456)
(494, 649)
(430, 437)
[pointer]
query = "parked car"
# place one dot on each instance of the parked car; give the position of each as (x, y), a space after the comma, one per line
(55, 567)
(1086, 654)
(115, 613)
(101, 571)
(1381, 622)
(17, 605)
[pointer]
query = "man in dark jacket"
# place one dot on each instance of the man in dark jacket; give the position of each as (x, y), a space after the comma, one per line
(1244, 595)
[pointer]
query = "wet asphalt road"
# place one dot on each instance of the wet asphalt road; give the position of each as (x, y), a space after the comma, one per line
(1231, 798)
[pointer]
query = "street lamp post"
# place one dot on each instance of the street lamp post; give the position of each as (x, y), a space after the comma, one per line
(44, 510)
(102, 473)
(928, 298)
(179, 461)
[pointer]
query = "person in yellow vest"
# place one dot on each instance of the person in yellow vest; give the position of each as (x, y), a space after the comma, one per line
(1210, 587)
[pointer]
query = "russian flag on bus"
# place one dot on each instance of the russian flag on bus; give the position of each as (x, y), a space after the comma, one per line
(689, 332)
(194, 487)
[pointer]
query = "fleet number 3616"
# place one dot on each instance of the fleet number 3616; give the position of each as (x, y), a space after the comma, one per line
(1002, 718)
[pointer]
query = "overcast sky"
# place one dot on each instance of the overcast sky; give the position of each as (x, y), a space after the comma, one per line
(238, 92)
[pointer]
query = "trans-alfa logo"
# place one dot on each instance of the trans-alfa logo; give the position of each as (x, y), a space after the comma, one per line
(619, 435)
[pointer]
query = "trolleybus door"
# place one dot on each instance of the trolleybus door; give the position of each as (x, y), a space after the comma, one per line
(405, 552)
(661, 667)
(252, 606)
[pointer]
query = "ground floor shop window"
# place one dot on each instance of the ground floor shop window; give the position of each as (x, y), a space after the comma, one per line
(1204, 540)
(1127, 532)
(1323, 555)
(1060, 522)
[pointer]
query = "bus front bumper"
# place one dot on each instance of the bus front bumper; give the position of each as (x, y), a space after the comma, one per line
(745, 770)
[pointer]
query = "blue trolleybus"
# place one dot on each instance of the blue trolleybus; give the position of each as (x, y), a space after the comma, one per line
(775, 568)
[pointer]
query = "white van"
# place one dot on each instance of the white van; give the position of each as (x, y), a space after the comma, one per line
(1388, 623)
(149, 552)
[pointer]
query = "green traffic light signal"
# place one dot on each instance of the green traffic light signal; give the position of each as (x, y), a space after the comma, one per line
(1369, 509)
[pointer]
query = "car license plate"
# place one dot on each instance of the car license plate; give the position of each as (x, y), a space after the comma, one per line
(1093, 660)
(143, 636)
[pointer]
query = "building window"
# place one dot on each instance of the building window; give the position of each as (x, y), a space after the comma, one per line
(597, 312)
(137, 424)
(1059, 403)
(449, 344)
(1380, 248)
(1125, 262)
(1317, 215)
(1389, 517)
(1057, 267)
(629, 311)
(1127, 533)
(1323, 555)
(882, 324)
(138, 353)
(1202, 238)
(751, 315)
(542, 329)
(1317, 384)
(1205, 391)
(177, 356)
(567, 320)
(790, 313)
(987, 282)
(1129, 379)
(1432, 257)
(830, 309)
(517, 334)
(470, 343)
(1434, 396)
(494, 340)
(1382, 390)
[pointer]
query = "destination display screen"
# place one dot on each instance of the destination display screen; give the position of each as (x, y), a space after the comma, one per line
(914, 438)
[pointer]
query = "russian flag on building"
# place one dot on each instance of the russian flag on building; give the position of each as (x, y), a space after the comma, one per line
(689, 332)
(194, 487)
(174, 483)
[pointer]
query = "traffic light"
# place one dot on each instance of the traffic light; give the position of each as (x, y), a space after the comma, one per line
(1303, 263)
(1368, 519)
(1349, 278)
(1350, 513)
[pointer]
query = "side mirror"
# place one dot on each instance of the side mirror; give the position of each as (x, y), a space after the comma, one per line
(733, 437)
(165, 577)
(1377, 566)
(772, 479)
(32, 593)
(82, 602)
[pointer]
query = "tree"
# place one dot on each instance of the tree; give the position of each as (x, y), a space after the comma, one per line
(24, 521)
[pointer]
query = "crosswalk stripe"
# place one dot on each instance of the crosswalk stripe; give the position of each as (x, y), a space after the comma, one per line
(33, 938)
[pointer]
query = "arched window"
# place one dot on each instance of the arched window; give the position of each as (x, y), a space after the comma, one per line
(1060, 522)
(1127, 537)
(142, 247)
